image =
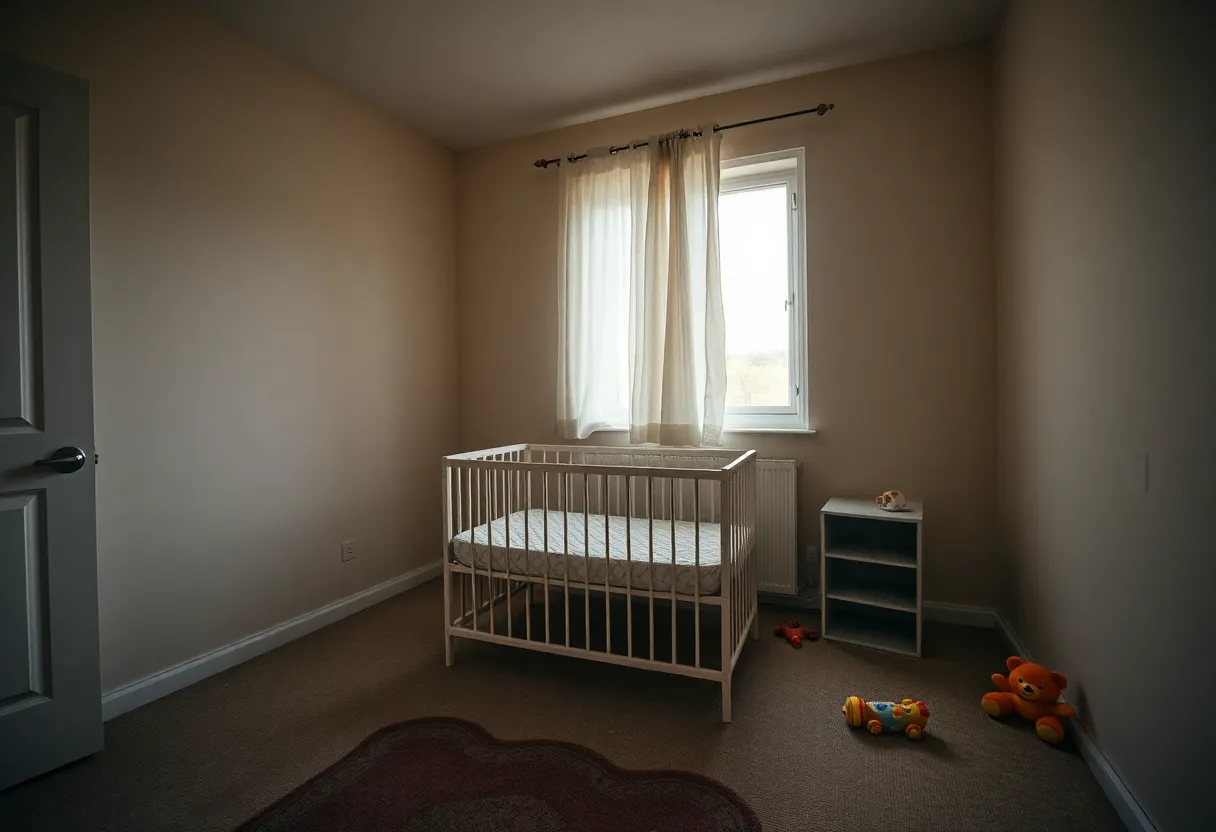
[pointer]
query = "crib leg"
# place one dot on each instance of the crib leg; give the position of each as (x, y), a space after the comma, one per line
(756, 625)
(726, 698)
(449, 657)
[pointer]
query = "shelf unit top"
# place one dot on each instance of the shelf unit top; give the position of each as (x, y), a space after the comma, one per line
(868, 509)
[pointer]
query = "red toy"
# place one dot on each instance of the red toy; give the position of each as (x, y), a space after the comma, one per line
(794, 632)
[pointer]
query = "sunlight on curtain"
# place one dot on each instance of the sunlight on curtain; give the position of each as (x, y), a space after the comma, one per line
(641, 326)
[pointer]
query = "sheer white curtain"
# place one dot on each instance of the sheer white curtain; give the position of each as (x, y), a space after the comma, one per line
(642, 341)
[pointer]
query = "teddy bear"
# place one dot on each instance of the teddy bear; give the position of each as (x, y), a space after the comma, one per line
(1032, 691)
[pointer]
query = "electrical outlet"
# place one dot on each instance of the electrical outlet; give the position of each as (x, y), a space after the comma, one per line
(348, 550)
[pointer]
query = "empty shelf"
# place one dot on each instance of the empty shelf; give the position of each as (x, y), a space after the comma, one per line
(874, 595)
(900, 640)
(888, 557)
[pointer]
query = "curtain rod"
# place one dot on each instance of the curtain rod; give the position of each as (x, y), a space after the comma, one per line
(821, 109)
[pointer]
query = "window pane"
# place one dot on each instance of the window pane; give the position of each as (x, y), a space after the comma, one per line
(755, 286)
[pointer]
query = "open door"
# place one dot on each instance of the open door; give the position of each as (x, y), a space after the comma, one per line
(50, 688)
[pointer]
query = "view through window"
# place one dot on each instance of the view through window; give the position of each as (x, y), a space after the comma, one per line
(760, 246)
(755, 292)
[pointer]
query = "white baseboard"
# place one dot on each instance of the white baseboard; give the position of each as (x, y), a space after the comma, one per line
(1126, 805)
(1117, 792)
(1016, 648)
(129, 697)
(959, 614)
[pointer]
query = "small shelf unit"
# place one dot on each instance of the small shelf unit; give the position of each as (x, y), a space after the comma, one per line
(871, 575)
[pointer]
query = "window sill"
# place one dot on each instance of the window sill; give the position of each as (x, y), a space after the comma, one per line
(733, 431)
(794, 431)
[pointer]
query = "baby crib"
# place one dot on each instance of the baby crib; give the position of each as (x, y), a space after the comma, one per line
(636, 556)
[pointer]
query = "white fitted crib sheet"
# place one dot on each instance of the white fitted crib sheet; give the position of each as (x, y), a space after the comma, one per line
(624, 566)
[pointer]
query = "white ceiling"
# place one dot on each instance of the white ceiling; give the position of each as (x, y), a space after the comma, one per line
(470, 72)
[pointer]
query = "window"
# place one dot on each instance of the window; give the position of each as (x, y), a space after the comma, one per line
(761, 236)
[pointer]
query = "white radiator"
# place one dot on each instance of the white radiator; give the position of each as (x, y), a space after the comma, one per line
(777, 525)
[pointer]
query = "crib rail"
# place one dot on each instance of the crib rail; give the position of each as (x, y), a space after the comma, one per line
(621, 554)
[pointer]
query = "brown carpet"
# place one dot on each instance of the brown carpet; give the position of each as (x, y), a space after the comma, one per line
(215, 754)
(442, 774)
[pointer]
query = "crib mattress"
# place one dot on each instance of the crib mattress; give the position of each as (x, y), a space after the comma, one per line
(604, 542)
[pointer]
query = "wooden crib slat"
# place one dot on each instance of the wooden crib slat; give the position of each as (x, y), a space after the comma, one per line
(696, 584)
(460, 579)
(545, 504)
(475, 494)
(566, 550)
(727, 597)
(526, 481)
(507, 523)
(750, 555)
(492, 494)
(736, 581)
(650, 531)
(586, 564)
(449, 501)
(605, 488)
(741, 558)
(730, 564)
(737, 516)
(743, 580)
(671, 518)
(749, 542)
(629, 567)
(468, 582)
(752, 560)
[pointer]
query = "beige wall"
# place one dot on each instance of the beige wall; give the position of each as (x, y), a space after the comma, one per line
(900, 254)
(274, 342)
(1107, 310)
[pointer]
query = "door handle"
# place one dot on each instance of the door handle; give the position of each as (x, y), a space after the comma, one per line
(64, 461)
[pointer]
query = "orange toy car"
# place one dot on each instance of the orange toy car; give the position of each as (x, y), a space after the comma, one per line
(908, 717)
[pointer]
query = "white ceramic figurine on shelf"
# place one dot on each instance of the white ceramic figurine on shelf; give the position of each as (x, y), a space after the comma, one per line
(891, 501)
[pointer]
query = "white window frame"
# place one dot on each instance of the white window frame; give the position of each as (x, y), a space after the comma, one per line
(765, 170)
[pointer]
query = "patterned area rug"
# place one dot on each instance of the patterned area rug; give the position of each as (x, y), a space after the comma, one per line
(443, 775)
